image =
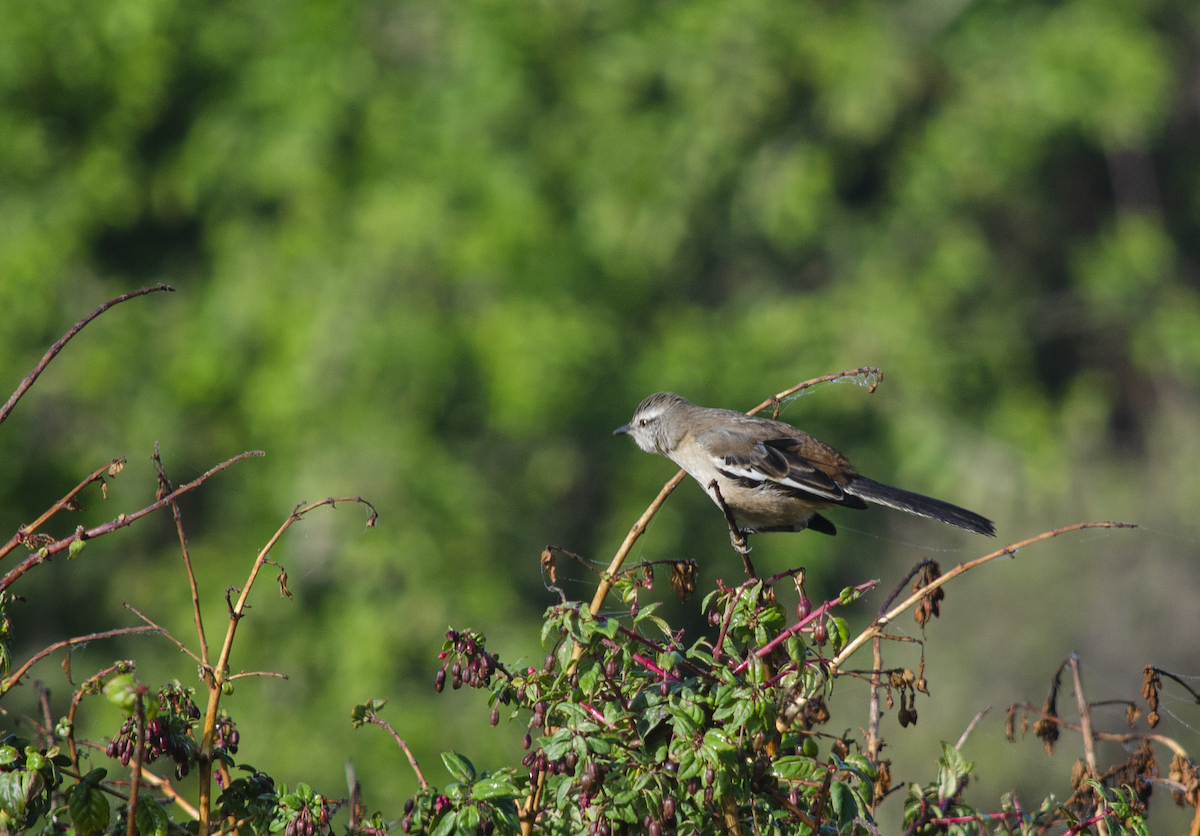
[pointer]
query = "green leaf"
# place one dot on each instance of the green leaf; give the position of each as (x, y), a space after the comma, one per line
(17, 789)
(459, 766)
(494, 786)
(151, 818)
(88, 808)
(845, 805)
(75, 548)
(8, 754)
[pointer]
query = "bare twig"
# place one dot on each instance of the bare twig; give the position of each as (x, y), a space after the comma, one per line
(244, 674)
(45, 553)
(166, 633)
(1008, 551)
(164, 488)
(971, 727)
(375, 719)
(112, 468)
(58, 346)
(1085, 716)
(8, 684)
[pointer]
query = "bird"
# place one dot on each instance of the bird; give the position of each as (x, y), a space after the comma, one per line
(767, 475)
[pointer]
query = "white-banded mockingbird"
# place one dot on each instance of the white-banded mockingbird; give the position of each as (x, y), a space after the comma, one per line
(768, 474)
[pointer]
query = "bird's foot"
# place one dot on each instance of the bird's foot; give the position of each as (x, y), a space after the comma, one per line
(737, 538)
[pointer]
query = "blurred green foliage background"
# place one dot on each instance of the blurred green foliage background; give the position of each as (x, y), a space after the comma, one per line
(432, 253)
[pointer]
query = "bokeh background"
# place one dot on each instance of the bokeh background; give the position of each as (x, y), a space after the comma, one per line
(432, 253)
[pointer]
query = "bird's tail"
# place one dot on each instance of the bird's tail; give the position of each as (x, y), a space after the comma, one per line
(922, 506)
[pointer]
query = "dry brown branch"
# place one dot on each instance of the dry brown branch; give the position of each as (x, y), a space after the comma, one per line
(164, 488)
(58, 346)
(216, 676)
(112, 468)
(1008, 551)
(89, 686)
(9, 683)
(45, 553)
(1085, 716)
(166, 633)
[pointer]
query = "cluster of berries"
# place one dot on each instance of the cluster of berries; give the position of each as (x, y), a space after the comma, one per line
(303, 824)
(164, 736)
(479, 668)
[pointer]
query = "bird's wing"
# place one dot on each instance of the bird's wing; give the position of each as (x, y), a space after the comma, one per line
(778, 461)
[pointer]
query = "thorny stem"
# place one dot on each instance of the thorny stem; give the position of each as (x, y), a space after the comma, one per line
(45, 553)
(217, 676)
(58, 346)
(1008, 551)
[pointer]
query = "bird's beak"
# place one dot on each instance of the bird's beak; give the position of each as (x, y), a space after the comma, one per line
(622, 430)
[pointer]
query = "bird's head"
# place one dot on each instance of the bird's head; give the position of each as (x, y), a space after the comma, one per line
(656, 425)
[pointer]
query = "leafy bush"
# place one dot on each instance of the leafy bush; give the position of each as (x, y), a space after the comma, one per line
(633, 726)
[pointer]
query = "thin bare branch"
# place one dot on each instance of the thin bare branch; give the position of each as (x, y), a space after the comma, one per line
(165, 487)
(58, 346)
(970, 728)
(372, 717)
(45, 553)
(244, 674)
(112, 468)
(1008, 551)
(1085, 716)
(8, 684)
(166, 633)
(89, 686)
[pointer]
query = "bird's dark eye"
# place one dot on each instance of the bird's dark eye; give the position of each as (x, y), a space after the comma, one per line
(643, 422)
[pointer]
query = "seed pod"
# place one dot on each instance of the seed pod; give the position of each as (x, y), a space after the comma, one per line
(494, 719)
(439, 681)
(820, 633)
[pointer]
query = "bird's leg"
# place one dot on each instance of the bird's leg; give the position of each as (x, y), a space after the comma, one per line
(737, 537)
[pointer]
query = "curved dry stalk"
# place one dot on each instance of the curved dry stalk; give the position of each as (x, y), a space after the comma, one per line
(1008, 551)
(216, 676)
(58, 346)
